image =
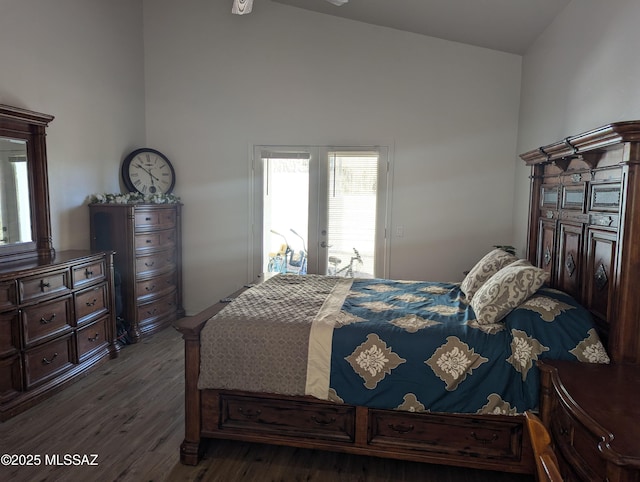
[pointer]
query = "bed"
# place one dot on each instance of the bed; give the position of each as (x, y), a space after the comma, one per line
(355, 371)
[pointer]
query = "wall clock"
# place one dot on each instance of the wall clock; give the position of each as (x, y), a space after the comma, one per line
(148, 171)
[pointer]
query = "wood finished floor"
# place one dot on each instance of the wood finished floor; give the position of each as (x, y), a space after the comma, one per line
(129, 412)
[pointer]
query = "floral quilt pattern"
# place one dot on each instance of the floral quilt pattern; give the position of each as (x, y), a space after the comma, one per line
(417, 346)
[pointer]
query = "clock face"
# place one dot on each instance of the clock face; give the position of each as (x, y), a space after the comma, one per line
(148, 171)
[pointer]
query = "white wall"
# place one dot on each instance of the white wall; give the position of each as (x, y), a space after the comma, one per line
(582, 73)
(217, 83)
(80, 61)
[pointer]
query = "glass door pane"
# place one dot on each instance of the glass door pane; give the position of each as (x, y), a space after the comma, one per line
(285, 212)
(352, 189)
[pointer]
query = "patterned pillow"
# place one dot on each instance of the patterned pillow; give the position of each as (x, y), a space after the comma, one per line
(484, 269)
(506, 290)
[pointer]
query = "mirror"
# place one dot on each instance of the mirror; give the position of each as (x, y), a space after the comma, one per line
(15, 201)
(25, 226)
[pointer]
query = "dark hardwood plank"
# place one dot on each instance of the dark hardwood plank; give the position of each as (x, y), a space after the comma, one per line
(130, 412)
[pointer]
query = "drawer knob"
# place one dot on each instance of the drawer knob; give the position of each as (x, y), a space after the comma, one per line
(43, 285)
(46, 321)
(94, 338)
(401, 428)
(323, 422)
(483, 440)
(92, 303)
(150, 288)
(249, 413)
(149, 264)
(46, 361)
(147, 219)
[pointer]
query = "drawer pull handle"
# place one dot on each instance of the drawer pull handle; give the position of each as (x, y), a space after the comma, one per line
(564, 431)
(88, 273)
(249, 413)
(493, 438)
(152, 312)
(49, 362)
(323, 422)
(92, 303)
(148, 241)
(147, 219)
(150, 288)
(401, 428)
(45, 321)
(149, 264)
(94, 338)
(43, 285)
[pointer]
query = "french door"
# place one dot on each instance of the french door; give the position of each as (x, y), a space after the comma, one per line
(320, 210)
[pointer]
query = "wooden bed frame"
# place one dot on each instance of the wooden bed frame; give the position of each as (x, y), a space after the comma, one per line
(584, 215)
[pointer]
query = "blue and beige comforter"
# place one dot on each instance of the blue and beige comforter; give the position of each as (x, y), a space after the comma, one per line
(406, 345)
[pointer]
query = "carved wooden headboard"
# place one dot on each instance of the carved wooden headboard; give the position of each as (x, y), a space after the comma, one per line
(584, 227)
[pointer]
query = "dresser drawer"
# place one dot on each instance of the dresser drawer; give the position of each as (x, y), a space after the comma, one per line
(157, 261)
(158, 239)
(45, 285)
(46, 319)
(8, 298)
(9, 333)
(10, 378)
(154, 287)
(88, 273)
(155, 219)
(48, 360)
(91, 303)
(447, 435)
(162, 307)
(297, 419)
(577, 445)
(91, 338)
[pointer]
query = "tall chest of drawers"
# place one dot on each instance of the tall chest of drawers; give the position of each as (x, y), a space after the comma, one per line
(147, 242)
(56, 322)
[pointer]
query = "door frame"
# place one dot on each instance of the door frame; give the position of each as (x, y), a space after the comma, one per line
(317, 153)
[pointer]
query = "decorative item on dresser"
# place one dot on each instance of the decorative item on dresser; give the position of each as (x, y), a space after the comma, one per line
(147, 240)
(56, 322)
(593, 416)
(584, 226)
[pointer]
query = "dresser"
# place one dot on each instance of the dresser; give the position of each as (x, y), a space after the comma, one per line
(56, 322)
(593, 416)
(147, 242)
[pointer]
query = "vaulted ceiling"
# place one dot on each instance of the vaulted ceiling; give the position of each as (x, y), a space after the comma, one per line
(506, 25)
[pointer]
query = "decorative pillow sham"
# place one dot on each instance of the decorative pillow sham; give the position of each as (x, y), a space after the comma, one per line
(506, 290)
(484, 269)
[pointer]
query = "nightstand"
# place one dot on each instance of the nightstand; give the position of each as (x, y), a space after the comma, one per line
(593, 414)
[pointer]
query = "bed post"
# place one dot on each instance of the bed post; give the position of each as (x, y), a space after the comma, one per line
(191, 449)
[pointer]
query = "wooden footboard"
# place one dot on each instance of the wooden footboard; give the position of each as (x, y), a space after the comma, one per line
(489, 442)
(492, 442)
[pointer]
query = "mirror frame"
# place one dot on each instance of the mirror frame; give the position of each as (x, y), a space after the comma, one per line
(31, 126)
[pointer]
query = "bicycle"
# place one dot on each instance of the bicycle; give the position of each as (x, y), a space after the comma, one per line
(286, 260)
(347, 269)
